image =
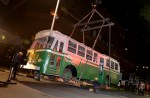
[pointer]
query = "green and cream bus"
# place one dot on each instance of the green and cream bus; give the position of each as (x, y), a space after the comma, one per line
(55, 54)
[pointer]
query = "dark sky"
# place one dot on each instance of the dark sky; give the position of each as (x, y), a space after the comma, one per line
(127, 13)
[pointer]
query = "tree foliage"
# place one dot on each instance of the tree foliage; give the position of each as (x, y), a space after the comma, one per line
(145, 10)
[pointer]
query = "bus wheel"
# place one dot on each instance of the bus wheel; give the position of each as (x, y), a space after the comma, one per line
(67, 75)
(37, 75)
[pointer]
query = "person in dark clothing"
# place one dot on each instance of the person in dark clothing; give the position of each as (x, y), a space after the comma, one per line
(16, 60)
(126, 85)
(133, 85)
(96, 85)
(142, 88)
(17, 64)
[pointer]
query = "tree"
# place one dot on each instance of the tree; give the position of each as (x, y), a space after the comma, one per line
(145, 11)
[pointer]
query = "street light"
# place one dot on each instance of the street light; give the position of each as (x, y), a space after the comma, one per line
(3, 37)
(55, 15)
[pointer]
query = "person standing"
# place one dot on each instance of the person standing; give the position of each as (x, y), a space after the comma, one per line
(119, 84)
(96, 85)
(142, 88)
(147, 88)
(16, 60)
(126, 85)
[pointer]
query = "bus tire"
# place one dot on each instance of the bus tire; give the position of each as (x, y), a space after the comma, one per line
(67, 75)
(37, 75)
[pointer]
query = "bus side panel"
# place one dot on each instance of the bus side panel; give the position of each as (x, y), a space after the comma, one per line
(114, 77)
(64, 64)
(88, 72)
(43, 56)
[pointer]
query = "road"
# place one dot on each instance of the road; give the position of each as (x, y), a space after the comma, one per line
(29, 88)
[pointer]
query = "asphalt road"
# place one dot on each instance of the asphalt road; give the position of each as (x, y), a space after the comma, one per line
(29, 88)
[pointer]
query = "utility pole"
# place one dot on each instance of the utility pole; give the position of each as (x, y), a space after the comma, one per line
(54, 18)
(109, 78)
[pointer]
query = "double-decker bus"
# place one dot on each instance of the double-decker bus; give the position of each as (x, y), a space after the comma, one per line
(56, 54)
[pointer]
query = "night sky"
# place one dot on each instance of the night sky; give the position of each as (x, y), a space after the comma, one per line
(129, 14)
(134, 17)
(131, 18)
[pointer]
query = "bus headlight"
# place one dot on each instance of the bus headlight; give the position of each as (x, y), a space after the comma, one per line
(39, 60)
(31, 62)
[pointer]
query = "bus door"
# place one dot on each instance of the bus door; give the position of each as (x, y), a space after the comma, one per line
(55, 59)
(55, 63)
(59, 58)
(52, 64)
(101, 69)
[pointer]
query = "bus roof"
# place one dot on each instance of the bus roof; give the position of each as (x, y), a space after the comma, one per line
(42, 34)
(45, 33)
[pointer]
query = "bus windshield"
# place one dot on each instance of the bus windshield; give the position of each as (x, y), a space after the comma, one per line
(45, 42)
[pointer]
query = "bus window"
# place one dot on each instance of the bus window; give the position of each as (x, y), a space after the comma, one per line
(41, 46)
(89, 55)
(95, 57)
(61, 47)
(55, 47)
(72, 47)
(107, 62)
(112, 65)
(116, 66)
(52, 59)
(36, 45)
(39, 43)
(81, 51)
(50, 42)
(101, 65)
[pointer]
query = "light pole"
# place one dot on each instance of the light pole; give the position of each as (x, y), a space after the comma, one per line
(109, 78)
(52, 25)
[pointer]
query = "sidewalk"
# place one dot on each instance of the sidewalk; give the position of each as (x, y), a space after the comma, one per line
(20, 71)
(4, 73)
(147, 94)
